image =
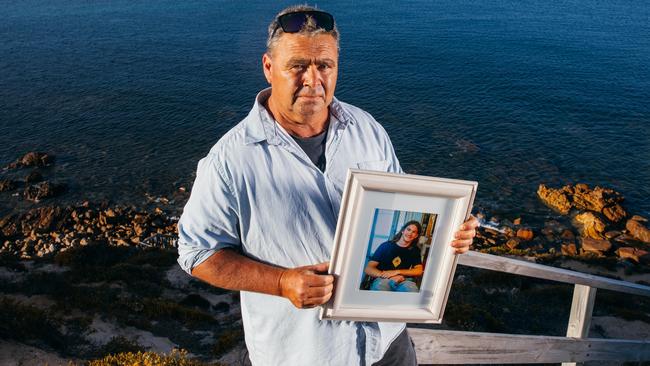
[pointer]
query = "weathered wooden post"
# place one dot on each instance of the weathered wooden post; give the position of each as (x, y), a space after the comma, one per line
(582, 307)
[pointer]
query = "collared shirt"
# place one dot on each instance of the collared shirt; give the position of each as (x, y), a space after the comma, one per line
(258, 192)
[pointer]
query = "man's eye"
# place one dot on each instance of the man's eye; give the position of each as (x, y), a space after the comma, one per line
(297, 67)
(323, 67)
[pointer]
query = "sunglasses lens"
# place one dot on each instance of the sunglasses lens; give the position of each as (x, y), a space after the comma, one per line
(293, 22)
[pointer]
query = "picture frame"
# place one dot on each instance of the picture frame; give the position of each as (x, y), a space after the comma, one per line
(373, 206)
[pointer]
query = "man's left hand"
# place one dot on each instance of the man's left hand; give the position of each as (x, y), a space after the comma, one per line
(464, 236)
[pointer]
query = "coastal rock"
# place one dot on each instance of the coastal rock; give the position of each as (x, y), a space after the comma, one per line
(635, 254)
(36, 159)
(108, 218)
(513, 243)
(614, 213)
(491, 232)
(567, 235)
(639, 218)
(9, 226)
(35, 232)
(638, 230)
(33, 177)
(138, 229)
(508, 231)
(40, 220)
(467, 146)
(591, 226)
(548, 234)
(569, 250)
(7, 185)
(601, 200)
(556, 199)
(39, 191)
(624, 238)
(586, 199)
(554, 226)
(596, 246)
(525, 234)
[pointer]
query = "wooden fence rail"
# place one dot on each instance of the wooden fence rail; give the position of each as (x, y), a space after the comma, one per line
(453, 347)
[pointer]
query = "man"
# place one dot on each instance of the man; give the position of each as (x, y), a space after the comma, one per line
(263, 209)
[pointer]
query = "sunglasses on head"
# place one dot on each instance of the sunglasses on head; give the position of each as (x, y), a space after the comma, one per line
(294, 22)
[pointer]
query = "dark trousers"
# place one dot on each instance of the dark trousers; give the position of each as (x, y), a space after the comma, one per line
(400, 353)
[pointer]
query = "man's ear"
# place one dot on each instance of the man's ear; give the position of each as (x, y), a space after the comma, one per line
(266, 65)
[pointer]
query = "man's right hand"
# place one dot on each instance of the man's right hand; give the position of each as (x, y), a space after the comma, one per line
(308, 286)
(398, 278)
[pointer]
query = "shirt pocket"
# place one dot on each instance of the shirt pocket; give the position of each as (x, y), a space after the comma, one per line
(378, 165)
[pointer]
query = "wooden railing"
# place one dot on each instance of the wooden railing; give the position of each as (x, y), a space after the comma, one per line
(455, 347)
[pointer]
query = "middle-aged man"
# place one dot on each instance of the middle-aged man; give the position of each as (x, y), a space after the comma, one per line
(264, 206)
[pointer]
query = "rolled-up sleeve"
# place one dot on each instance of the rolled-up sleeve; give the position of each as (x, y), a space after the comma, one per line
(209, 221)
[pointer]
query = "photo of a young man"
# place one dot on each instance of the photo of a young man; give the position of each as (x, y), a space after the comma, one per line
(397, 264)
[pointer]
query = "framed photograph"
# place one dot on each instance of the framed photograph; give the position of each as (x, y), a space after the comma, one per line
(391, 258)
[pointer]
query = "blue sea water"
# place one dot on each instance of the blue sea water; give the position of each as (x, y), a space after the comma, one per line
(130, 94)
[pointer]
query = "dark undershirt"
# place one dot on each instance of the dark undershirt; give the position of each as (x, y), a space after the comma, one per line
(314, 147)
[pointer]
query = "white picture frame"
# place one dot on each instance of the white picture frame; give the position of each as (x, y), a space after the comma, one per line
(368, 193)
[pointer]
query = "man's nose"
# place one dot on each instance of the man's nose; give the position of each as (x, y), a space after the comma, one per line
(311, 77)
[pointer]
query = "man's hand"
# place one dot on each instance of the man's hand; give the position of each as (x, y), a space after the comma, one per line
(398, 278)
(389, 274)
(308, 286)
(465, 235)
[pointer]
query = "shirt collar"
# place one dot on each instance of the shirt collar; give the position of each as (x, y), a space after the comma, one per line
(260, 126)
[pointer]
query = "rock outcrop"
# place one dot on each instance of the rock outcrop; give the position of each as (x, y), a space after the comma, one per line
(556, 199)
(7, 185)
(39, 191)
(46, 230)
(604, 201)
(590, 225)
(634, 254)
(596, 246)
(33, 177)
(35, 159)
(636, 228)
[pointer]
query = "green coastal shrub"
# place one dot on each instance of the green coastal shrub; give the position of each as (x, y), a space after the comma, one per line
(156, 257)
(29, 324)
(161, 309)
(174, 358)
(120, 344)
(227, 340)
(92, 255)
(11, 262)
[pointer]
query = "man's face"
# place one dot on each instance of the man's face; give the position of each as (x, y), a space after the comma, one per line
(302, 71)
(409, 233)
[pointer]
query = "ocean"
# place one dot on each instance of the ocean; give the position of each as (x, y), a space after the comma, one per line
(129, 95)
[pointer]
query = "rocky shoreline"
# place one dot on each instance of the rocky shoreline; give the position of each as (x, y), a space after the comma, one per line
(590, 224)
(43, 231)
(584, 223)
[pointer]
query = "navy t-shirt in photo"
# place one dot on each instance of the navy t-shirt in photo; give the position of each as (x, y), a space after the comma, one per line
(391, 256)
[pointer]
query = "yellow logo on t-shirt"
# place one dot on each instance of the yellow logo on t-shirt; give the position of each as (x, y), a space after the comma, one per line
(396, 261)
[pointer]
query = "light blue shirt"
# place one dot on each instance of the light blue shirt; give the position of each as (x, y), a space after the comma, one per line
(258, 192)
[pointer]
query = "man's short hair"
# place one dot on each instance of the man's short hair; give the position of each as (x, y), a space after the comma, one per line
(275, 30)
